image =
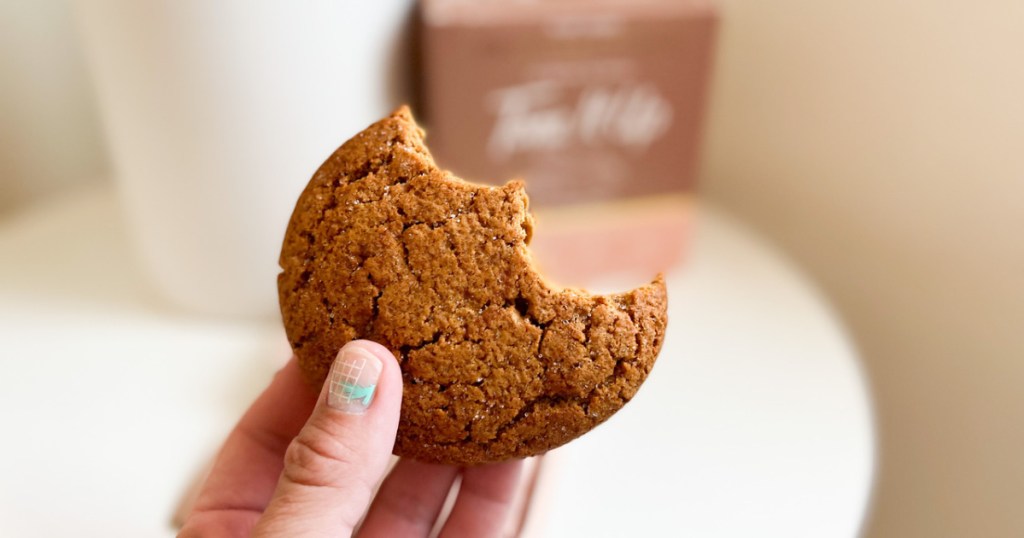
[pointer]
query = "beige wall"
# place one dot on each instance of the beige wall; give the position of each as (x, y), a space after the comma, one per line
(882, 145)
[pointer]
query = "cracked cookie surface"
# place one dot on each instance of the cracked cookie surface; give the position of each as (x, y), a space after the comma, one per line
(496, 362)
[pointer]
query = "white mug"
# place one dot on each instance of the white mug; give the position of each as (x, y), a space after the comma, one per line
(218, 113)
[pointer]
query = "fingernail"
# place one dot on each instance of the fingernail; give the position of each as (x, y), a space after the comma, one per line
(353, 380)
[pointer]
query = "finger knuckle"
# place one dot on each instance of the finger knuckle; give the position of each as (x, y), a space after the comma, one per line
(316, 459)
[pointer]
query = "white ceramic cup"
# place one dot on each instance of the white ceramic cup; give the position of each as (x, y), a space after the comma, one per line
(218, 113)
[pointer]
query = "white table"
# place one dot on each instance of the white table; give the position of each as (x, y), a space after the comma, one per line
(756, 421)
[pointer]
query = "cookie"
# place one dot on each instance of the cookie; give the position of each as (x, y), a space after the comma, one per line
(497, 363)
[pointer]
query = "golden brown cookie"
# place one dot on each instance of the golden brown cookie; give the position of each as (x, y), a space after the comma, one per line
(497, 363)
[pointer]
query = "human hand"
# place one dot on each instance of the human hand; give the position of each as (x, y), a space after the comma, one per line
(301, 465)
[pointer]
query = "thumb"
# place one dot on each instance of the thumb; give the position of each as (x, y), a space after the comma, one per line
(339, 456)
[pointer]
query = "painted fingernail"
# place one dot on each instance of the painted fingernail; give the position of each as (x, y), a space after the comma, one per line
(353, 380)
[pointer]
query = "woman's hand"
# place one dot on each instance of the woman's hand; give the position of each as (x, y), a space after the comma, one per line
(298, 465)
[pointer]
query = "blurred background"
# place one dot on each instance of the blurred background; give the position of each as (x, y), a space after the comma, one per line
(878, 145)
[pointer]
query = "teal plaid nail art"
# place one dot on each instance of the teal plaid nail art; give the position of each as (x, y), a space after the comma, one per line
(354, 392)
(346, 392)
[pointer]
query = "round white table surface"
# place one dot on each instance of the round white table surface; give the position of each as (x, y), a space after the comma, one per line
(756, 420)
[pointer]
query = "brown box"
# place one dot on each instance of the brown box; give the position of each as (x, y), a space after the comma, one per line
(593, 103)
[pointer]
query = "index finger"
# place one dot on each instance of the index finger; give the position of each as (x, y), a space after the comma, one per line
(249, 464)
